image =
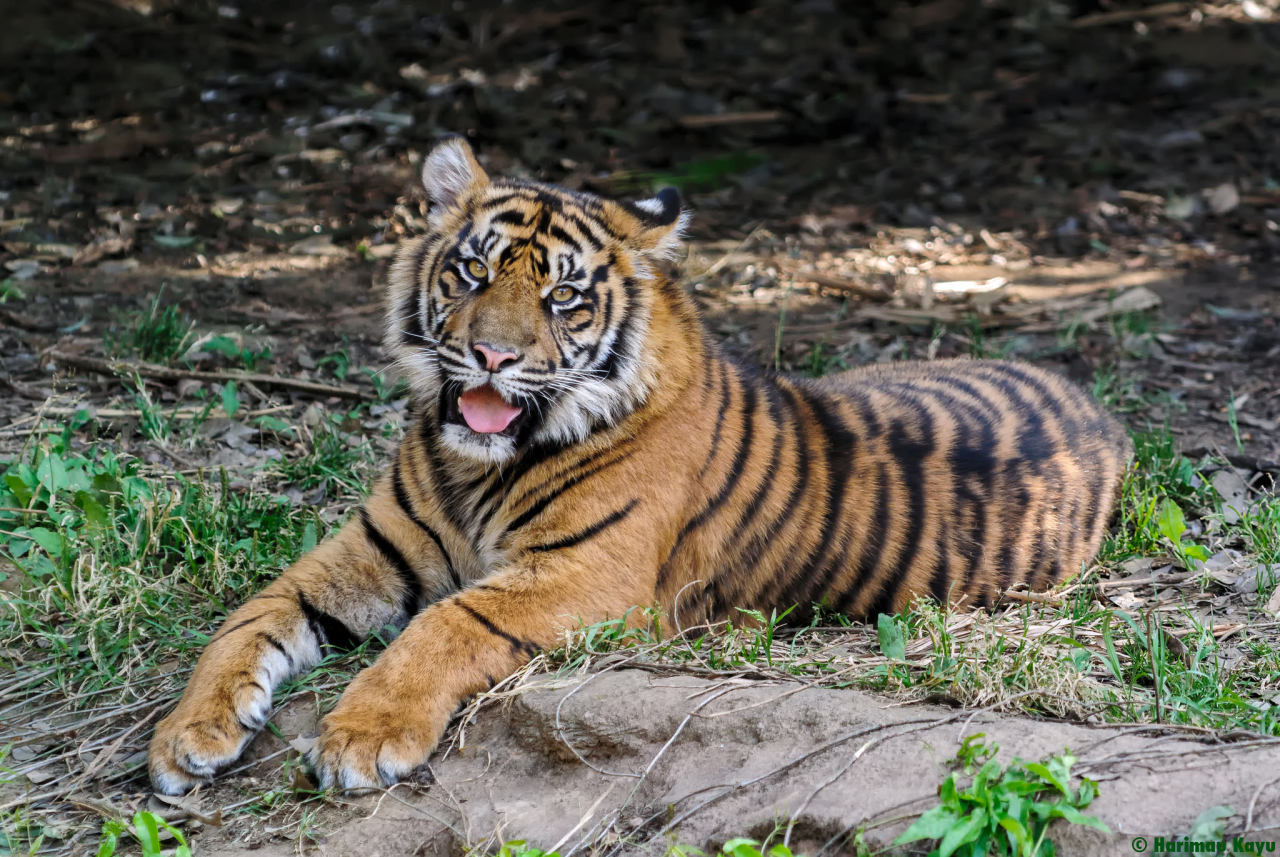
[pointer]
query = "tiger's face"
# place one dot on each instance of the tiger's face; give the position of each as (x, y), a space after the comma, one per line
(522, 316)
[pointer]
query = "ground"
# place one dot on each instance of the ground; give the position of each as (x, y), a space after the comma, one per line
(197, 207)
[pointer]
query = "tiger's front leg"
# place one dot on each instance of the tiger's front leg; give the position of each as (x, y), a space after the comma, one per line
(393, 714)
(361, 580)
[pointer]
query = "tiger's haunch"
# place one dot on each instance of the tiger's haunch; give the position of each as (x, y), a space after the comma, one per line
(579, 446)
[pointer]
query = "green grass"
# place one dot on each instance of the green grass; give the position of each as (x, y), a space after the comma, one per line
(113, 560)
(160, 335)
(335, 455)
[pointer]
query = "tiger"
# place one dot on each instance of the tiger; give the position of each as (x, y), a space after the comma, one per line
(577, 445)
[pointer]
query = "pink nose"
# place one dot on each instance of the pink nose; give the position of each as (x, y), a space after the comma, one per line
(492, 357)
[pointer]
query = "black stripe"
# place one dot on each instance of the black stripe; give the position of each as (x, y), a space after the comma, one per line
(411, 602)
(582, 226)
(840, 442)
(975, 467)
(527, 461)
(971, 462)
(1018, 505)
(1049, 398)
(751, 510)
(873, 545)
(709, 508)
(449, 360)
(591, 531)
(722, 592)
(1035, 448)
(624, 345)
(909, 454)
(513, 218)
(445, 490)
(236, 627)
(542, 503)
(406, 506)
(517, 644)
(756, 548)
(720, 415)
(412, 332)
(275, 643)
(524, 194)
(563, 473)
(940, 581)
(564, 237)
(1034, 443)
(328, 630)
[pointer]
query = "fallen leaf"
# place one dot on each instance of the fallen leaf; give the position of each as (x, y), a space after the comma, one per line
(1234, 491)
(317, 245)
(1223, 198)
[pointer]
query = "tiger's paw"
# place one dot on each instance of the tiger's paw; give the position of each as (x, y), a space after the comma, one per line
(370, 741)
(187, 752)
(200, 737)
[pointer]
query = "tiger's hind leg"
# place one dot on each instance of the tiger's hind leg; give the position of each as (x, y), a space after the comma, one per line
(357, 582)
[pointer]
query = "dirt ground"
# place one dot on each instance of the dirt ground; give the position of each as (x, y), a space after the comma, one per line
(572, 757)
(1091, 186)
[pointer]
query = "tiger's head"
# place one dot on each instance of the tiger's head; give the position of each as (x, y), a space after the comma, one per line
(522, 315)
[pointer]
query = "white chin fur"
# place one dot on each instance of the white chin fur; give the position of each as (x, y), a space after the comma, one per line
(485, 448)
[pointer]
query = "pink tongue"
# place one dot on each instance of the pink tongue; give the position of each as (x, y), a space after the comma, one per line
(485, 411)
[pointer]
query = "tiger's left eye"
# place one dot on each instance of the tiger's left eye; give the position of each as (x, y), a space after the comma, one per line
(563, 294)
(477, 269)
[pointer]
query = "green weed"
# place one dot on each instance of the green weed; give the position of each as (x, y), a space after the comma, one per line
(1172, 524)
(242, 356)
(700, 174)
(160, 335)
(1002, 810)
(821, 362)
(147, 829)
(9, 290)
(1160, 474)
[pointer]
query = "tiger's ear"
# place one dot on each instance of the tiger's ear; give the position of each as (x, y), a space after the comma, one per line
(661, 223)
(449, 172)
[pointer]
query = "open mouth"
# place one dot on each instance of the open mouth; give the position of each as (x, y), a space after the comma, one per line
(484, 411)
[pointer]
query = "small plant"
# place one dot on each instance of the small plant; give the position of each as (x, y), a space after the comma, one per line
(520, 848)
(1172, 526)
(145, 828)
(1002, 811)
(230, 399)
(9, 290)
(822, 362)
(160, 335)
(751, 848)
(338, 361)
(700, 174)
(1233, 420)
(247, 358)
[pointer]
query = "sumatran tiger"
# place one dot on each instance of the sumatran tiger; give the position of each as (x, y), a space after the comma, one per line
(579, 445)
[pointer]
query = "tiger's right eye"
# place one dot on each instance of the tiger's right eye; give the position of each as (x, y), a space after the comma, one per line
(477, 269)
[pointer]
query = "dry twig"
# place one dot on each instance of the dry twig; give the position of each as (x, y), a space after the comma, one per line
(166, 373)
